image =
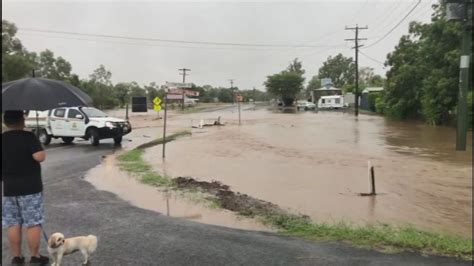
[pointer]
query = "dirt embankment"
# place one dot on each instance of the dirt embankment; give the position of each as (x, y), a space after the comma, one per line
(242, 204)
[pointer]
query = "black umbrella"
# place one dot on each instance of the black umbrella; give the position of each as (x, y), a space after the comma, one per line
(41, 94)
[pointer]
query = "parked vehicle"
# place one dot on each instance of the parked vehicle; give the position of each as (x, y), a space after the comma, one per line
(305, 105)
(77, 122)
(331, 102)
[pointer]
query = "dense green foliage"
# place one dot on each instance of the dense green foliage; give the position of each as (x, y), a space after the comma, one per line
(340, 69)
(424, 71)
(287, 84)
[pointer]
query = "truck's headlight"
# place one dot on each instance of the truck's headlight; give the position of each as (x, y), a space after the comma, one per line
(109, 124)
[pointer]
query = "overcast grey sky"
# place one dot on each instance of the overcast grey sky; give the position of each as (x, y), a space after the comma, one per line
(313, 23)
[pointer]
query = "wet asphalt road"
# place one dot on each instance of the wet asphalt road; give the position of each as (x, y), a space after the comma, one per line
(133, 236)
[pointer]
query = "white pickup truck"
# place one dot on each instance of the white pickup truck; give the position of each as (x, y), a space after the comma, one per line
(77, 122)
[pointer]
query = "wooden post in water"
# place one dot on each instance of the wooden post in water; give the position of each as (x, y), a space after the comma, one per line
(372, 179)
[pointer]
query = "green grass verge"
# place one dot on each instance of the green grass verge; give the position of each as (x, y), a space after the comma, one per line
(381, 237)
(161, 141)
(132, 162)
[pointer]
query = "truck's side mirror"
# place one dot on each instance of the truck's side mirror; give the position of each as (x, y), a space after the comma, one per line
(78, 116)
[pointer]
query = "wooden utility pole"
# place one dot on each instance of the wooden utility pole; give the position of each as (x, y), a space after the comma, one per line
(232, 90)
(356, 47)
(461, 10)
(183, 70)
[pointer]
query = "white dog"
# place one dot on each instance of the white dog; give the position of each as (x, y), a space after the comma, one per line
(58, 246)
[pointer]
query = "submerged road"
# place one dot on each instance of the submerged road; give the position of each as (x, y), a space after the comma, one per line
(132, 236)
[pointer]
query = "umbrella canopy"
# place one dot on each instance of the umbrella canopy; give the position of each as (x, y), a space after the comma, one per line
(41, 94)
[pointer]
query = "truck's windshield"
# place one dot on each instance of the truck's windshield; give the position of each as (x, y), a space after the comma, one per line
(92, 112)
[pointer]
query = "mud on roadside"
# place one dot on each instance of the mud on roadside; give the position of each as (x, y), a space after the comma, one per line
(241, 204)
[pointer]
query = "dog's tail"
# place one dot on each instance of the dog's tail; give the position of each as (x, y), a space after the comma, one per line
(92, 243)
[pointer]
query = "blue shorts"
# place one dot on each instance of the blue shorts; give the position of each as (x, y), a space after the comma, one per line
(24, 210)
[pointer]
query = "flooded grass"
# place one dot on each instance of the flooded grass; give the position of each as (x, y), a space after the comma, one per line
(154, 179)
(218, 195)
(160, 140)
(133, 162)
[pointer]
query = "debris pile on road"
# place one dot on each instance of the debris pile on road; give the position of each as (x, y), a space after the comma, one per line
(215, 123)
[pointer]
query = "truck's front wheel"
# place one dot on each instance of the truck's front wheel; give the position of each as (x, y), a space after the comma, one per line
(94, 137)
(118, 140)
(44, 137)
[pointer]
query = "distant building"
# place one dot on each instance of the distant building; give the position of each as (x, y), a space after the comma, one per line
(364, 98)
(349, 99)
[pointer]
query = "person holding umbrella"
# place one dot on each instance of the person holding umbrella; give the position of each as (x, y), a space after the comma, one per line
(22, 154)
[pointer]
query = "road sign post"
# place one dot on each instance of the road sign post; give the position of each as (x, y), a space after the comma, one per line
(164, 125)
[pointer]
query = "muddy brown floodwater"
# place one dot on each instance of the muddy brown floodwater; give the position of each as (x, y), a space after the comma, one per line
(108, 177)
(316, 164)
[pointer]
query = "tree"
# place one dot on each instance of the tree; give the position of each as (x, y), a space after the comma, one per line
(122, 93)
(285, 85)
(339, 69)
(209, 94)
(288, 83)
(16, 62)
(100, 88)
(10, 44)
(313, 84)
(225, 95)
(136, 90)
(101, 75)
(52, 68)
(424, 69)
(377, 81)
(296, 66)
(74, 80)
(153, 90)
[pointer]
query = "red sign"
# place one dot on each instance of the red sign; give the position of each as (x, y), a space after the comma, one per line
(180, 91)
(175, 91)
(240, 98)
(192, 93)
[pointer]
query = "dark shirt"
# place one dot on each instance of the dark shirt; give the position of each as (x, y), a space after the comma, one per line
(21, 174)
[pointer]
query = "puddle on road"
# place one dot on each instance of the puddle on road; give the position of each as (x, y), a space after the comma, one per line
(316, 164)
(108, 177)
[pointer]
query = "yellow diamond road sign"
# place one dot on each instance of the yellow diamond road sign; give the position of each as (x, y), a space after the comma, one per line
(157, 101)
(157, 104)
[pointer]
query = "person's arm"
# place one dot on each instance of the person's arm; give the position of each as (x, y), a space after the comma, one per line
(39, 156)
(37, 150)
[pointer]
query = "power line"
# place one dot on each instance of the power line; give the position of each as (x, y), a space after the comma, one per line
(393, 14)
(170, 41)
(30, 34)
(371, 58)
(392, 29)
